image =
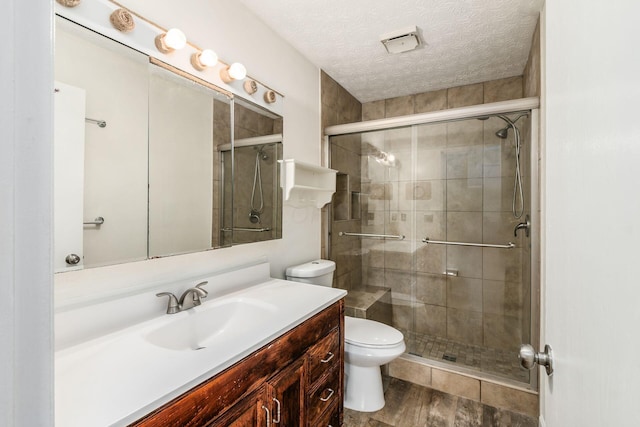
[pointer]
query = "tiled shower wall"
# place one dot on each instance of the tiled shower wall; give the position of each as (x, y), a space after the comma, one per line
(460, 168)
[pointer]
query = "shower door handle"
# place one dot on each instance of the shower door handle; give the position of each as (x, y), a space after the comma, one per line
(528, 357)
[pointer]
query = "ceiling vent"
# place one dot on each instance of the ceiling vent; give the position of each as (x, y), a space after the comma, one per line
(400, 41)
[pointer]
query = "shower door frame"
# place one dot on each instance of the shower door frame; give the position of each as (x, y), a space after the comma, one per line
(530, 105)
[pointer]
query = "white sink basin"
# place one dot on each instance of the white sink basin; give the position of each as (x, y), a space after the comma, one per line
(213, 324)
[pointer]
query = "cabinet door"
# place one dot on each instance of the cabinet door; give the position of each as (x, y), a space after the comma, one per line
(248, 412)
(287, 396)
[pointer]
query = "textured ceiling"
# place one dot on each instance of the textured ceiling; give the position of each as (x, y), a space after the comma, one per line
(464, 41)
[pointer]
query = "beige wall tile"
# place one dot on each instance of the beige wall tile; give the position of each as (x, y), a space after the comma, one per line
(400, 106)
(502, 332)
(465, 326)
(463, 96)
(502, 264)
(498, 194)
(455, 384)
(431, 289)
(432, 258)
(433, 200)
(503, 298)
(464, 293)
(531, 75)
(465, 195)
(431, 320)
(503, 89)
(328, 90)
(465, 162)
(431, 101)
(431, 164)
(431, 224)
(411, 371)
(497, 227)
(466, 260)
(373, 110)
(509, 398)
(432, 135)
(464, 226)
(466, 132)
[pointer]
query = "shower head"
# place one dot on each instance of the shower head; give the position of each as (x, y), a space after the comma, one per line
(503, 133)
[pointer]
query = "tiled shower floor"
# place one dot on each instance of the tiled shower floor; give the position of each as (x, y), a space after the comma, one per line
(503, 363)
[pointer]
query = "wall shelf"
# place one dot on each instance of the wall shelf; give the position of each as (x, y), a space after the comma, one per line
(305, 184)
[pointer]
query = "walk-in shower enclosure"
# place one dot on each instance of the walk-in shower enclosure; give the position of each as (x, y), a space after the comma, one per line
(424, 235)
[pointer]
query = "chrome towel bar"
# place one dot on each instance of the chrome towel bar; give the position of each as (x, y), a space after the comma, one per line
(381, 236)
(255, 230)
(509, 245)
(98, 221)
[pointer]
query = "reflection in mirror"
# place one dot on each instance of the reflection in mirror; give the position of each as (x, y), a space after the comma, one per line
(257, 197)
(111, 176)
(184, 165)
(152, 174)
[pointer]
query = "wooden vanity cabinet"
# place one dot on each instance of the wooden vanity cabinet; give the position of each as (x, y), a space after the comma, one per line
(294, 381)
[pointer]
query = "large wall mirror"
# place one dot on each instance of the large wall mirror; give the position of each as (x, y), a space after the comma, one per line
(144, 159)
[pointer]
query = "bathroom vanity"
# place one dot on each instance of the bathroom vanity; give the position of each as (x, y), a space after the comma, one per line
(257, 351)
(295, 380)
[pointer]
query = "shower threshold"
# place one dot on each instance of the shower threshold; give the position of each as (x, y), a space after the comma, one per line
(498, 362)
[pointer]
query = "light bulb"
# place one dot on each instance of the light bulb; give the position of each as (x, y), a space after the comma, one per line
(204, 59)
(208, 58)
(235, 71)
(171, 40)
(175, 39)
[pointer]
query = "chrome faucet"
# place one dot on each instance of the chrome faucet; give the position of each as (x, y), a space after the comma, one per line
(175, 306)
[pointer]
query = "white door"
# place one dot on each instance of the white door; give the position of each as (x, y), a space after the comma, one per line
(591, 213)
(68, 179)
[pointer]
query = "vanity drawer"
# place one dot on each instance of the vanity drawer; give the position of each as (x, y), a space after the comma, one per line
(324, 356)
(329, 418)
(326, 394)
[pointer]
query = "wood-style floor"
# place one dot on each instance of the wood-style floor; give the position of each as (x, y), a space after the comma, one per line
(411, 405)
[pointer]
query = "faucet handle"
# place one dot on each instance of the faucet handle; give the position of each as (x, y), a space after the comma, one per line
(173, 306)
(200, 285)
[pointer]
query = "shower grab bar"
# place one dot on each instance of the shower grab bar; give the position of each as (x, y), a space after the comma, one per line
(98, 221)
(383, 236)
(509, 245)
(255, 230)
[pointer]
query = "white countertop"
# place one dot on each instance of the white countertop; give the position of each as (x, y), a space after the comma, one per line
(117, 378)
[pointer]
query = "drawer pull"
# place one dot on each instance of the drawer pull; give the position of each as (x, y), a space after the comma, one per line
(324, 399)
(277, 411)
(268, 415)
(329, 357)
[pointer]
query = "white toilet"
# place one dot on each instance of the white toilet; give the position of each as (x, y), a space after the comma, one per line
(368, 344)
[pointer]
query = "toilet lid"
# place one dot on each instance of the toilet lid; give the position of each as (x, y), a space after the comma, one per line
(365, 332)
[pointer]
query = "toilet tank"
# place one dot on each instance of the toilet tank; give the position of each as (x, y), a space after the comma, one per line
(318, 272)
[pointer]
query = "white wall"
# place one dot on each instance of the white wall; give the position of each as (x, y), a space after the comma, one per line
(236, 35)
(115, 174)
(26, 138)
(591, 210)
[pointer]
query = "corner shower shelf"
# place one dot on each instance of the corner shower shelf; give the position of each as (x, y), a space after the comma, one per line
(305, 184)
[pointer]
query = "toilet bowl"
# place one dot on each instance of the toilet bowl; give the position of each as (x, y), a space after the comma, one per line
(368, 344)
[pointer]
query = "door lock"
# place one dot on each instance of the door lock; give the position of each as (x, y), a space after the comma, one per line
(528, 358)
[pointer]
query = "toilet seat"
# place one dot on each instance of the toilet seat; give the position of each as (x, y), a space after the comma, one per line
(370, 334)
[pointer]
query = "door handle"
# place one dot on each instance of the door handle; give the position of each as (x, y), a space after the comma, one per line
(528, 357)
